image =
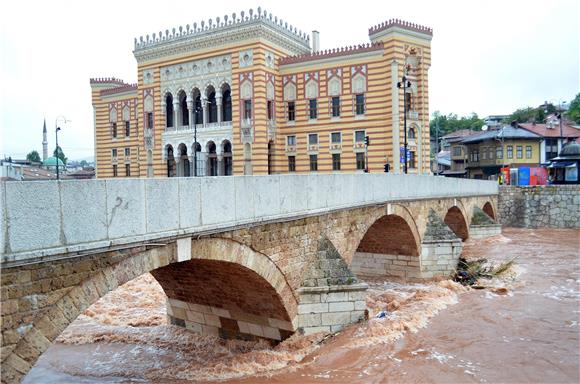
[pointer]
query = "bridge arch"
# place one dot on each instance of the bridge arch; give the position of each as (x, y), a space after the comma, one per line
(488, 209)
(250, 274)
(226, 250)
(457, 221)
(391, 238)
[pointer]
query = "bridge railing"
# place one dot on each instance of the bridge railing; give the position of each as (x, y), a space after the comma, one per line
(49, 217)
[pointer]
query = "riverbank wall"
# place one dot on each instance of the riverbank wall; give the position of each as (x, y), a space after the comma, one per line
(551, 206)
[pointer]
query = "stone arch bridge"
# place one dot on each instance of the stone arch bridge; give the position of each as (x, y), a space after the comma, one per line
(246, 257)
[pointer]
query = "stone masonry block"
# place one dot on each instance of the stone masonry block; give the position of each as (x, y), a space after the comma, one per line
(336, 328)
(312, 308)
(341, 306)
(310, 298)
(271, 333)
(356, 316)
(336, 296)
(281, 324)
(357, 295)
(210, 331)
(310, 320)
(311, 330)
(361, 305)
(210, 319)
(195, 317)
(335, 318)
(220, 312)
(195, 327)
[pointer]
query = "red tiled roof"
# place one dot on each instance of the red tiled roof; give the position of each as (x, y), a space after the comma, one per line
(543, 130)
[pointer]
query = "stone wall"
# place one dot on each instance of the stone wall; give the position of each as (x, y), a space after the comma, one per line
(553, 206)
(329, 309)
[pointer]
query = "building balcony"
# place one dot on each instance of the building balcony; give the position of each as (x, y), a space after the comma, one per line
(412, 115)
(247, 134)
(206, 127)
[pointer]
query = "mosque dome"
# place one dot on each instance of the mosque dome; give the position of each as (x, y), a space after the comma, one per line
(571, 149)
(51, 162)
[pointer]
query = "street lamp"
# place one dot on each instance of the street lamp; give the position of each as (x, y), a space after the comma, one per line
(405, 84)
(56, 129)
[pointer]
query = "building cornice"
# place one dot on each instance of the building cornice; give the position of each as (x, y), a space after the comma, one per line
(255, 26)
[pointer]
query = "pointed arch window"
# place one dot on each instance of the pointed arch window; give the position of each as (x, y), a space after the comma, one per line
(169, 110)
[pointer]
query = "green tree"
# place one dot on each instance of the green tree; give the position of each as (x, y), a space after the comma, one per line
(33, 156)
(450, 123)
(527, 115)
(574, 110)
(83, 163)
(60, 154)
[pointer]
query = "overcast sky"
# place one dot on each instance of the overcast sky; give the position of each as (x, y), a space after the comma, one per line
(488, 57)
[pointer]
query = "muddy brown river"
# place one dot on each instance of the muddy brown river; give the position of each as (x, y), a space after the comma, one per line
(524, 327)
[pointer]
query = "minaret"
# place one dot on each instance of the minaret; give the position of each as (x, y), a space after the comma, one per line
(44, 143)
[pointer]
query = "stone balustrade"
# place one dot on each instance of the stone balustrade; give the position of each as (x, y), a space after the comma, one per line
(50, 218)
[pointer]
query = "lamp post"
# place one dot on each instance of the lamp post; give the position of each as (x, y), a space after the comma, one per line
(56, 129)
(56, 154)
(404, 84)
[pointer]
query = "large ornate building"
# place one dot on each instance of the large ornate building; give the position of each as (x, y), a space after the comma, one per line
(247, 94)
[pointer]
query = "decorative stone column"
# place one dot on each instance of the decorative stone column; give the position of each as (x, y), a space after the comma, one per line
(177, 159)
(175, 114)
(190, 110)
(218, 100)
(205, 110)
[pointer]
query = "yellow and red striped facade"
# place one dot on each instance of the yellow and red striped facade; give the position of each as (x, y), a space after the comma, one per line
(263, 64)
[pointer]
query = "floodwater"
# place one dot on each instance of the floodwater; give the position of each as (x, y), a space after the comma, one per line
(524, 327)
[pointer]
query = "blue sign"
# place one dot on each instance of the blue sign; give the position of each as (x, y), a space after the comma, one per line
(402, 152)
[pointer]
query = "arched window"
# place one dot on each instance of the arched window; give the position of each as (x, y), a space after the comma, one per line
(227, 157)
(226, 103)
(183, 108)
(170, 161)
(411, 134)
(212, 168)
(212, 105)
(169, 110)
(198, 161)
(197, 108)
(183, 160)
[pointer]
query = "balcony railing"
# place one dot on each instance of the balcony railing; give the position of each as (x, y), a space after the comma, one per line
(247, 134)
(246, 123)
(199, 127)
(413, 115)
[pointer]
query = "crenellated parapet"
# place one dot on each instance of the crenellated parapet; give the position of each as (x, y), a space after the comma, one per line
(107, 80)
(401, 24)
(221, 30)
(329, 53)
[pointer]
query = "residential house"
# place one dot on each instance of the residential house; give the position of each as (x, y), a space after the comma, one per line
(508, 146)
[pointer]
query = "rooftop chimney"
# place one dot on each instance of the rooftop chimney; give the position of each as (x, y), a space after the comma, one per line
(315, 41)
